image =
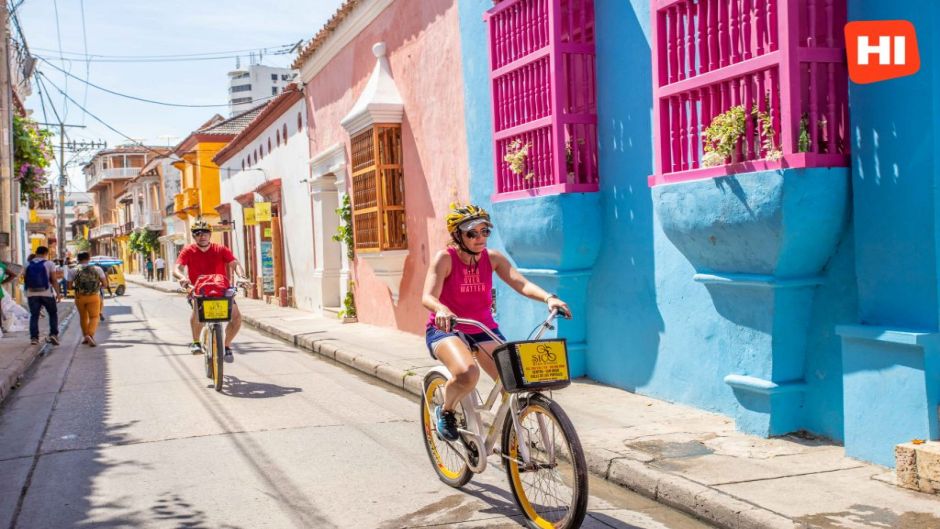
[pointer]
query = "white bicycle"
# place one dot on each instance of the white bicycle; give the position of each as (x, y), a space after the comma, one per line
(539, 447)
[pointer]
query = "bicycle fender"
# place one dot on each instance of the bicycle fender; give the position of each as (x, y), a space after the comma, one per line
(443, 371)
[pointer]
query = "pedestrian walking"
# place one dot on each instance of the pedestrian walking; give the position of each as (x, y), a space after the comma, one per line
(149, 267)
(42, 292)
(160, 265)
(87, 281)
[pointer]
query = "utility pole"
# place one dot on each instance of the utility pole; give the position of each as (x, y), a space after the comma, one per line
(74, 146)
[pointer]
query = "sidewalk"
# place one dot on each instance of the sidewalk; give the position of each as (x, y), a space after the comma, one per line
(16, 353)
(684, 457)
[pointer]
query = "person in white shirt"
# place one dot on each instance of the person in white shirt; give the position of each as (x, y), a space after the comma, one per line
(160, 265)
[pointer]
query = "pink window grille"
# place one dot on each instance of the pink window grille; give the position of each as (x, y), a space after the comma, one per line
(784, 58)
(542, 72)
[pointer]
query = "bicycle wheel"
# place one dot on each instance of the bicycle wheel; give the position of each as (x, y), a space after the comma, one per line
(205, 339)
(448, 462)
(553, 489)
(217, 356)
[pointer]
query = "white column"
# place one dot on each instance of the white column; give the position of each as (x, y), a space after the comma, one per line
(327, 253)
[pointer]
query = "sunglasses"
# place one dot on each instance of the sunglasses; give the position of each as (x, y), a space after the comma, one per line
(473, 234)
(200, 232)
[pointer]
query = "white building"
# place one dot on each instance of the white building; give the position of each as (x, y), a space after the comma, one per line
(268, 163)
(255, 84)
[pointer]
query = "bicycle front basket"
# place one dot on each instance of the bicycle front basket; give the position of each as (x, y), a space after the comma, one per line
(214, 310)
(533, 365)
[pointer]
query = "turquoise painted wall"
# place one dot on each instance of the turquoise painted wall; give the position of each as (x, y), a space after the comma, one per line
(890, 355)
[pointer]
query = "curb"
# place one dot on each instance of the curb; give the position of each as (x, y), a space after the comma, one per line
(705, 503)
(12, 378)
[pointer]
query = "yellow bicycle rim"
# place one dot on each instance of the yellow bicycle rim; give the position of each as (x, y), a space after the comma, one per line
(432, 438)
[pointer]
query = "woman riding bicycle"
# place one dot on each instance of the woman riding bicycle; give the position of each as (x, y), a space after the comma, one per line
(460, 283)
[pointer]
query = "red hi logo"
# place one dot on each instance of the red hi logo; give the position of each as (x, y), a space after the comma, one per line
(881, 49)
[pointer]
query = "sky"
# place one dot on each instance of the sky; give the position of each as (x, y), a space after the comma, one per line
(107, 50)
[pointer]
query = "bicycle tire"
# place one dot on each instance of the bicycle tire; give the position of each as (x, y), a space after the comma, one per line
(217, 356)
(205, 339)
(448, 464)
(568, 513)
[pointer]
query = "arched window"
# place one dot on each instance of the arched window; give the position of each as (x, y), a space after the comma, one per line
(300, 122)
(279, 137)
(285, 132)
(269, 144)
(243, 164)
(261, 148)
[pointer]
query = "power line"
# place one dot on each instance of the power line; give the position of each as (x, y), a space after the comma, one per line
(279, 48)
(111, 128)
(181, 59)
(58, 33)
(143, 99)
(81, 3)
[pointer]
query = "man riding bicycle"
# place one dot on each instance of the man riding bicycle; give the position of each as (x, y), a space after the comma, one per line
(203, 258)
(460, 283)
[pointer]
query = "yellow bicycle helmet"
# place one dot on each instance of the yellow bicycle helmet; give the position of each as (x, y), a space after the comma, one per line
(460, 214)
(200, 225)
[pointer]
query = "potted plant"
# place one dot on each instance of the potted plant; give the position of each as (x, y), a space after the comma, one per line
(348, 312)
(515, 156)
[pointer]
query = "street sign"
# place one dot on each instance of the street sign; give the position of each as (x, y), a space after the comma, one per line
(250, 219)
(263, 211)
(35, 227)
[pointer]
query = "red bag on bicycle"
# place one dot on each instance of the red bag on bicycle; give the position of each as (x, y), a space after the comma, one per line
(211, 285)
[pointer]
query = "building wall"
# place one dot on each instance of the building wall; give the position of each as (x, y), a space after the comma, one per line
(259, 76)
(652, 328)
(421, 36)
(890, 356)
(287, 162)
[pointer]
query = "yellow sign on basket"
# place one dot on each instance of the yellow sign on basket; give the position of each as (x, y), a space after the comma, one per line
(263, 211)
(250, 219)
(216, 309)
(267, 233)
(543, 361)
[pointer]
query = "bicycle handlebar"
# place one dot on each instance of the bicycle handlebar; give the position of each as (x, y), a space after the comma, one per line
(547, 324)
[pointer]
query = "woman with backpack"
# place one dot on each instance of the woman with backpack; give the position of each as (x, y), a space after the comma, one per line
(88, 280)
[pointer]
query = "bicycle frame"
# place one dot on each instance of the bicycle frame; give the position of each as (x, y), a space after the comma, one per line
(473, 404)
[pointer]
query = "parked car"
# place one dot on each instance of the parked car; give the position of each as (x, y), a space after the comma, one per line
(114, 269)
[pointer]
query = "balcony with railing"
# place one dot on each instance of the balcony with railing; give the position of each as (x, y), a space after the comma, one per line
(124, 229)
(44, 201)
(542, 71)
(112, 174)
(149, 220)
(105, 230)
(773, 68)
(191, 198)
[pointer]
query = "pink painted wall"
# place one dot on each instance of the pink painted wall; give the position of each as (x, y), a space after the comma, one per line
(423, 42)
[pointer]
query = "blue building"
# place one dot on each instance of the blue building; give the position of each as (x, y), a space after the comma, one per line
(790, 283)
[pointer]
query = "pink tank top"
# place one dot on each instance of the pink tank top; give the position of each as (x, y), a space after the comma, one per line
(469, 294)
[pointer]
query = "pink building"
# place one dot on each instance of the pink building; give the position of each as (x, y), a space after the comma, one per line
(383, 88)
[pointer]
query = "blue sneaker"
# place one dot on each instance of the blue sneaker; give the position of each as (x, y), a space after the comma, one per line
(446, 424)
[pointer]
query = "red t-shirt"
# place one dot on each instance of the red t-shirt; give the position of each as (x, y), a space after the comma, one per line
(200, 263)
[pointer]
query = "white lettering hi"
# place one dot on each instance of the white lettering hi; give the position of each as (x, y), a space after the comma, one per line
(883, 49)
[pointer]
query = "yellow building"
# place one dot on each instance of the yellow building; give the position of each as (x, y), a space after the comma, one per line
(200, 182)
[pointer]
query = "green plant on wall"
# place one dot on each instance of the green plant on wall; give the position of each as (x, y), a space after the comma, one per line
(349, 303)
(82, 244)
(726, 129)
(344, 232)
(803, 144)
(143, 242)
(32, 154)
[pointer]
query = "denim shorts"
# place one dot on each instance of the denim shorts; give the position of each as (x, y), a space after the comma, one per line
(432, 335)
